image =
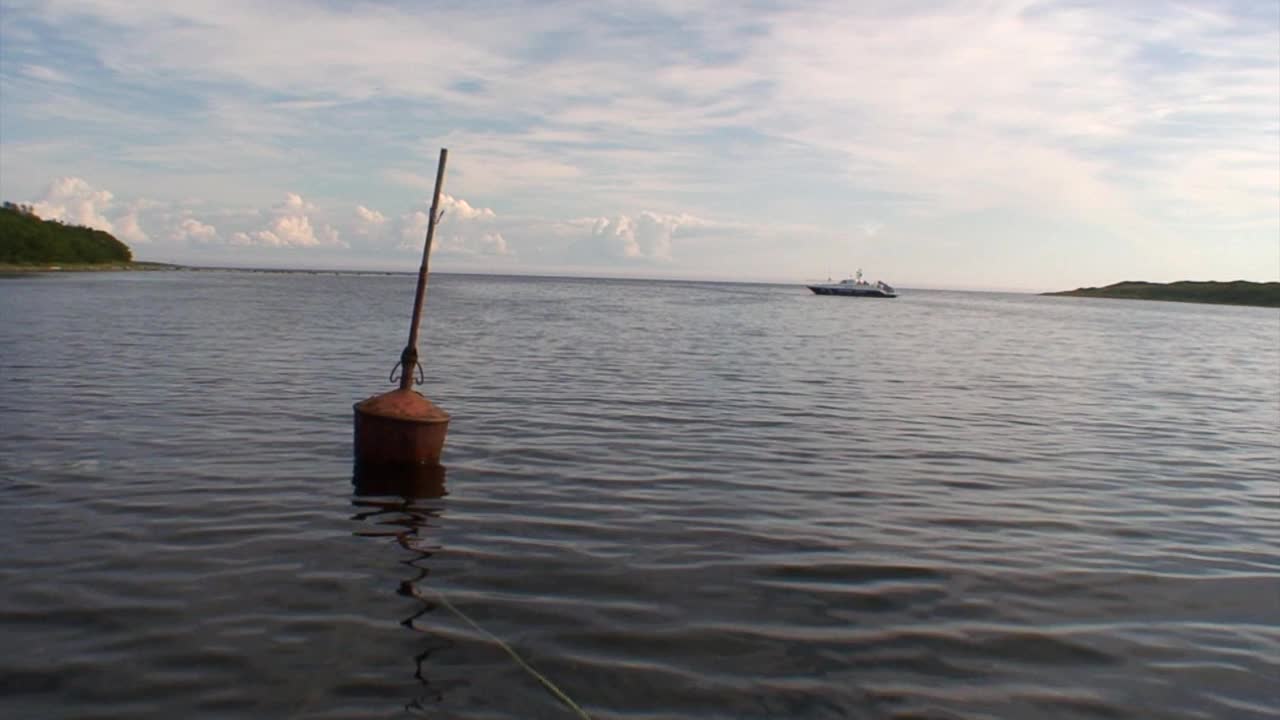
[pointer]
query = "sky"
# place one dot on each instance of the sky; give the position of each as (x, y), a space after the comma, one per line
(971, 145)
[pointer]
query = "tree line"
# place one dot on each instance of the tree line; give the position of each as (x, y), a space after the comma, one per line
(1235, 292)
(25, 239)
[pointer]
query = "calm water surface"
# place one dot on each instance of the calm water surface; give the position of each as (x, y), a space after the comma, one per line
(674, 500)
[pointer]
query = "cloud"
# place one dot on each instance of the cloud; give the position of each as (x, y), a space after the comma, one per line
(1030, 118)
(290, 227)
(457, 213)
(294, 204)
(128, 229)
(463, 230)
(44, 74)
(369, 217)
(488, 244)
(192, 230)
(458, 209)
(73, 200)
(1054, 107)
(646, 236)
(413, 230)
(368, 223)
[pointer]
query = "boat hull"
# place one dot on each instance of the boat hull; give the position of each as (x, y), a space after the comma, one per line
(871, 292)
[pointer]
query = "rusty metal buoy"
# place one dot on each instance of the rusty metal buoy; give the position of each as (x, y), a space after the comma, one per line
(403, 427)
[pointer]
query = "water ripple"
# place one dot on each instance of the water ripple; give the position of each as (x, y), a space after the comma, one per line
(671, 499)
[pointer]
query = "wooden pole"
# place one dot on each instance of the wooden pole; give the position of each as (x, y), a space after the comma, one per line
(402, 428)
(409, 357)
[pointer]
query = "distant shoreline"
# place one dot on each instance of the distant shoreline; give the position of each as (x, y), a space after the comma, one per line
(1237, 292)
(147, 266)
(24, 268)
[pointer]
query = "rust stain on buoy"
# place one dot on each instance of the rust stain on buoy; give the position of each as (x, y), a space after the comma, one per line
(403, 427)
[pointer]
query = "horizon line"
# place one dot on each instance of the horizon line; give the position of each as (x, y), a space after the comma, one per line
(562, 276)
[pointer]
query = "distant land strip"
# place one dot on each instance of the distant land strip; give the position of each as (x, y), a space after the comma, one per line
(1237, 292)
(53, 267)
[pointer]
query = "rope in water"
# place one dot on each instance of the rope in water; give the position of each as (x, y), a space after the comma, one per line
(560, 694)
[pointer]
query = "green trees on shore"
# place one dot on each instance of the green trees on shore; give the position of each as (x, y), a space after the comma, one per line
(27, 240)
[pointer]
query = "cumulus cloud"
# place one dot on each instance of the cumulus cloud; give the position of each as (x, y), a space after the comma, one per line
(646, 236)
(1102, 118)
(368, 223)
(413, 229)
(458, 209)
(463, 230)
(489, 244)
(192, 230)
(369, 217)
(73, 200)
(290, 227)
(129, 230)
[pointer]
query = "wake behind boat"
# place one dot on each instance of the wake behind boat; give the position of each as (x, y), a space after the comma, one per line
(855, 287)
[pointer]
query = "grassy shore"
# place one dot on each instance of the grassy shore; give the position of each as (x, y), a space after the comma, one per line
(1238, 292)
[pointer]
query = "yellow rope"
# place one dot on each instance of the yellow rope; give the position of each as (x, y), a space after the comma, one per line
(514, 656)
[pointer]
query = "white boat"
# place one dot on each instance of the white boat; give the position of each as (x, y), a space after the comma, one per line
(855, 287)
